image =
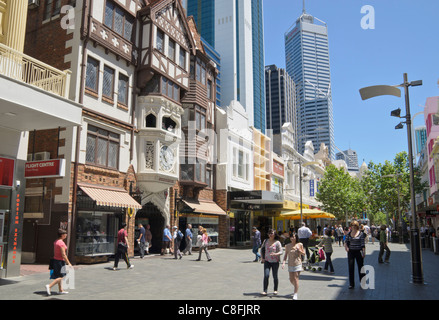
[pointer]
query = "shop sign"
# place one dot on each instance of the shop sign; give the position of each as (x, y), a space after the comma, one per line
(54, 168)
(278, 168)
(6, 172)
(311, 188)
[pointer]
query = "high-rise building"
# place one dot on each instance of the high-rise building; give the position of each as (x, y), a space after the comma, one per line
(280, 99)
(238, 38)
(350, 157)
(307, 62)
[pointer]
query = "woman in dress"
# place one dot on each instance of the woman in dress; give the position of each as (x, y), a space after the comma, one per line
(294, 252)
(59, 262)
(326, 243)
(271, 252)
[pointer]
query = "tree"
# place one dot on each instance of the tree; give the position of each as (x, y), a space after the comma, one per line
(341, 194)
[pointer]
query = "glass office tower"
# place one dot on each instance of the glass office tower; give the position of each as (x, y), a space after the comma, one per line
(307, 62)
(237, 26)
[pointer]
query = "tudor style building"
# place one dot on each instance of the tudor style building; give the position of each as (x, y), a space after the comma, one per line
(140, 74)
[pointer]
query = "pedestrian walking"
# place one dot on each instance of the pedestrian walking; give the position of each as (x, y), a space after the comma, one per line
(271, 250)
(304, 234)
(256, 241)
(293, 252)
(178, 238)
(356, 250)
(58, 263)
(372, 232)
(167, 239)
(326, 243)
(148, 239)
(204, 244)
(122, 248)
(340, 235)
(142, 241)
(384, 240)
(188, 238)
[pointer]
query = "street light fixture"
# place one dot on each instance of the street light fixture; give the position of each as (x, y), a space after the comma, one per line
(302, 164)
(375, 91)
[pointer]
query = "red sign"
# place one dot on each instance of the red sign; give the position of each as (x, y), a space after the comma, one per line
(45, 169)
(278, 168)
(6, 172)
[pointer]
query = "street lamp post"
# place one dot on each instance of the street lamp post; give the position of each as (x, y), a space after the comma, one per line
(300, 163)
(370, 92)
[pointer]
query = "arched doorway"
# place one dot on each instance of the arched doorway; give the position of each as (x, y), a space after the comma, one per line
(150, 214)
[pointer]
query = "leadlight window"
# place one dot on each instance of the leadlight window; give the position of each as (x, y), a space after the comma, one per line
(182, 59)
(118, 20)
(92, 74)
(160, 41)
(200, 118)
(52, 8)
(171, 50)
(122, 91)
(108, 82)
(102, 147)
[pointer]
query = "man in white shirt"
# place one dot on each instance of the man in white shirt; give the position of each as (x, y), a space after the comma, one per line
(304, 234)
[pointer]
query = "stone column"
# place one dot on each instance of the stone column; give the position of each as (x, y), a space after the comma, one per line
(15, 24)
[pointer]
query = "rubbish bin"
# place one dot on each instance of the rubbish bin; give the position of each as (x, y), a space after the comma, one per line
(423, 242)
(436, 245)
(427, 242)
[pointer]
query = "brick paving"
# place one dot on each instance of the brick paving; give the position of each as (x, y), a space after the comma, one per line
(231, 275)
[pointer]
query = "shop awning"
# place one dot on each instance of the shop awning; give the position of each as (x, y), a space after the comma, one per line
(206, 207)
(109, 196)
(307, 214)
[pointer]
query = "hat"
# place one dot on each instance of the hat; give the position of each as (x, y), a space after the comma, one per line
(174, 227)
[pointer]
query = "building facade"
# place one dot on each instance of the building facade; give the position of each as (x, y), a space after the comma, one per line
(33, 97)
(350, 157)
(280, 100)
(307, 62)
(238, 30)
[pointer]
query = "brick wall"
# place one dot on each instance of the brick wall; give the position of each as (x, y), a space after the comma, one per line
(46, 41)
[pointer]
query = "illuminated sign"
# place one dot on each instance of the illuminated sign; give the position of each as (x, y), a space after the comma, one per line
(54, 168)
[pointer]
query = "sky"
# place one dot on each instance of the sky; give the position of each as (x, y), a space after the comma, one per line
(405, 40)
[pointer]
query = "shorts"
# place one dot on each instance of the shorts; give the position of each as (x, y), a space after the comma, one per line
(295, 268)
(59, 269)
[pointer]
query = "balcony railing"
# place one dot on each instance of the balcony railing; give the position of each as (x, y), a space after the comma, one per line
(21, 67)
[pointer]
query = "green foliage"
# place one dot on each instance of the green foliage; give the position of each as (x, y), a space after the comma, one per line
(376, 192)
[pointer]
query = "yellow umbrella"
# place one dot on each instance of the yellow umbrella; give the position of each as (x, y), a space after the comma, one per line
(307, 214)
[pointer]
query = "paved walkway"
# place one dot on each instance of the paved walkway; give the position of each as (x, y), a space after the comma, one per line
(231, 275)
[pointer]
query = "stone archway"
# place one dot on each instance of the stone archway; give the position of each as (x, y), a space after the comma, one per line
(156, 221)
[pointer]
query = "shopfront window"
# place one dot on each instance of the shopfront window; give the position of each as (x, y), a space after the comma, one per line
(209, 223)
(96, 233)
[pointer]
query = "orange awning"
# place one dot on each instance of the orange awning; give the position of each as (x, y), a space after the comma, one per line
(109, 196)
(206, 207)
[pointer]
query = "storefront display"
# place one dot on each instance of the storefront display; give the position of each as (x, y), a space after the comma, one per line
(211, 224)
(96, 233)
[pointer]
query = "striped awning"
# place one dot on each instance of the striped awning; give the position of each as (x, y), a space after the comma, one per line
(109, 196)
(206, 207)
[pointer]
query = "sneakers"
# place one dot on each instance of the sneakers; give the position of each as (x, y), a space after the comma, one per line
(48, 290)
(295, 296)
(130, 267)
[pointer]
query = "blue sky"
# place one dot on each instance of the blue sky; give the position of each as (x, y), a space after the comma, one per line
(405, 40)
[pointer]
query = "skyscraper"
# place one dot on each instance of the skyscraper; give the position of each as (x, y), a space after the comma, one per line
(238, 38)
(307, 62)
(350, 157)
(280, 99)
